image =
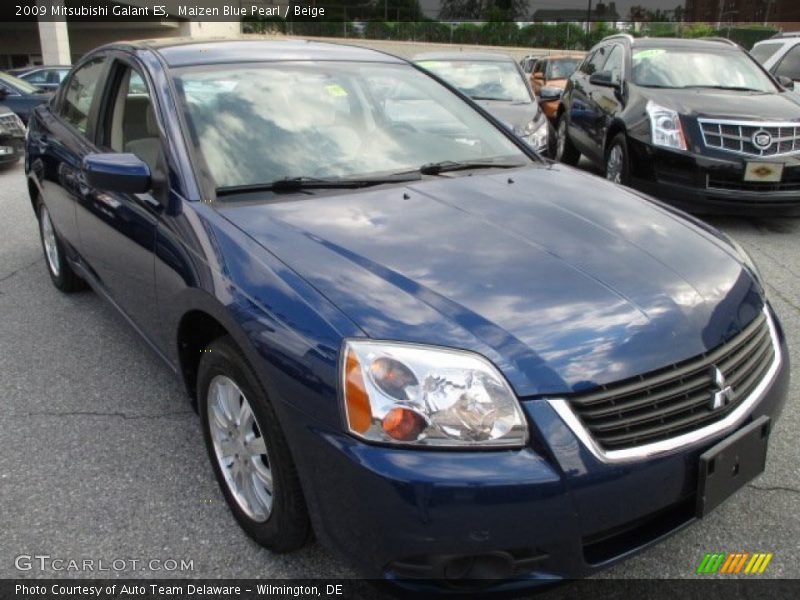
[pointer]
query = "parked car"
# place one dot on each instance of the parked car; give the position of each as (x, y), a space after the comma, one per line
(696, 122)
(20, 96)
(548, 79)
(780, 55)
(449, 358)
(498, 84)
(12, 137)
(47, 78)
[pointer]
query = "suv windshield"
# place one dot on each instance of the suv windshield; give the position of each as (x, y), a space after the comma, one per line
(561, 68)
(685, 68)
(257, 124)
(482, 80)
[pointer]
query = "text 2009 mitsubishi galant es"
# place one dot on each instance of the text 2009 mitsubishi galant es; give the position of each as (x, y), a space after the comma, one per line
(449, 359)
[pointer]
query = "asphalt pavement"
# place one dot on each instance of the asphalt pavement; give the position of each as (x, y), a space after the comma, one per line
(101, 456)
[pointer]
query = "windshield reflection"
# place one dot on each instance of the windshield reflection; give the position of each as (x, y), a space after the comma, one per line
(261, 123)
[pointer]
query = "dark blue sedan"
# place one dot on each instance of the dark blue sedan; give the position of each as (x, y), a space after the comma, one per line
(448, 358)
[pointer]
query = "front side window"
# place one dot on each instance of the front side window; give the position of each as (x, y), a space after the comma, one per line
(790, 64)
(255, 124)
(595, 61)
(80, 93)
(685, 68)
(37, 77)
(614, 63)
(482, 80)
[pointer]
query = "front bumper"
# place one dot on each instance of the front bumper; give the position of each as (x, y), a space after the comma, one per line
(714, 183)
(555, 508)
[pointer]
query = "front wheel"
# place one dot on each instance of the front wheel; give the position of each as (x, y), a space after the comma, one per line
(566, 152)
(248, 452)
(61, 273)
(617, 162)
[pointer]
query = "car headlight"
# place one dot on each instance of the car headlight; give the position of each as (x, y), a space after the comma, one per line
(427, 396)
(535, 132)
(665, 125)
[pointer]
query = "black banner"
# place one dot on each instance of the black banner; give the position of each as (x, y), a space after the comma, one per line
(718, 12)
(741, 587)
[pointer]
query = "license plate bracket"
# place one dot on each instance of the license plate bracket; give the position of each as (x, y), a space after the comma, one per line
(729, 465)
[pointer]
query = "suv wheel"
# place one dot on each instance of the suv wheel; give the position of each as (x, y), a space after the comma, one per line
(617, 163)
(566, 152)
(248, 452)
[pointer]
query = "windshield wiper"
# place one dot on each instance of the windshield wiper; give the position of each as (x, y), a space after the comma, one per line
(724, 87)
(494, 98)
(296, 184)
(435, 168)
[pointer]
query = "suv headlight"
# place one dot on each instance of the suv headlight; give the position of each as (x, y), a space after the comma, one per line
(427, 396)
(535, 132)
(665, 125)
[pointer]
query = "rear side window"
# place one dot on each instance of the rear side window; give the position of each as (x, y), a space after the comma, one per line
(79, 94)
(790, 64)
(762, 52)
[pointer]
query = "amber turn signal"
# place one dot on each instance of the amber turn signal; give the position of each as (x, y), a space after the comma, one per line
(359, 413)
(403, 424)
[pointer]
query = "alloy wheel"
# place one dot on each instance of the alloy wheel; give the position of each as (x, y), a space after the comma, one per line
(614, 164)
(50, 242)
(240, 449)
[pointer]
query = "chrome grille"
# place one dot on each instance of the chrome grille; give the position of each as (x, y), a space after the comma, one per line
(678, 399)
(741, 137)
(11, 124)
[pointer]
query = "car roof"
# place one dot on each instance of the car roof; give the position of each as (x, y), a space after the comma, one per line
(715, 44)
(456, 55)
(186, 52)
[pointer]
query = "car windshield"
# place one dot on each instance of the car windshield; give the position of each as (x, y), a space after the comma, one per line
(561, 68)
(482, 80)
(20, 85)
(257, 124)
(684, 68)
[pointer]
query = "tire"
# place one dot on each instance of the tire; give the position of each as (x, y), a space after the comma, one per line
(566, 151)
(55, 259)
(277, 520)
(617, 161)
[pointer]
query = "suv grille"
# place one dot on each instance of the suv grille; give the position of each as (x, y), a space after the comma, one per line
(751, 138)
(677, 399)
(11, 125)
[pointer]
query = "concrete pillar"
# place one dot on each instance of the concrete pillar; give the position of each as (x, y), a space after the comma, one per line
(54, 39)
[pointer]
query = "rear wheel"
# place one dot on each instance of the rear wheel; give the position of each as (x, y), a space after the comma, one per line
(248, 452)
(566, 152)
(61, 273)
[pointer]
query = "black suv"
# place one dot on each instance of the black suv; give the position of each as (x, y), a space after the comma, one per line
(696, 122)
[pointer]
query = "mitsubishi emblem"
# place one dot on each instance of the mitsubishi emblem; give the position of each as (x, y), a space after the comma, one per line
(721, 393)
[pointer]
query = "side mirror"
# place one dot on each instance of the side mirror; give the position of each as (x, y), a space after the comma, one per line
(547, 94)
(125, 173)
(786, 82)
(603, 78)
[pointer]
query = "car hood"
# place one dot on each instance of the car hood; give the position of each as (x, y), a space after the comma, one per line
(726, 104)
(514, 116)
(563, 280)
